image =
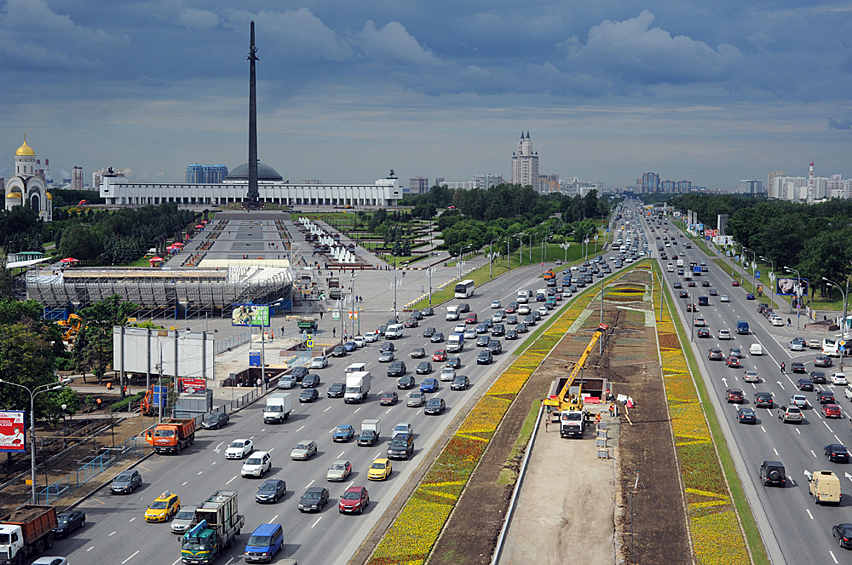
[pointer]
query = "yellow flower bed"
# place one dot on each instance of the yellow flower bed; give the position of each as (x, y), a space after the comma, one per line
(486, 415)
(717, 539)
(510, 382)
(413, 533)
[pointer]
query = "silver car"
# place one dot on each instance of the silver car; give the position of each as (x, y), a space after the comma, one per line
(319, 362)
(339, 470)
(303, 450)
(448, 374)
(415, 399)
(183, 520)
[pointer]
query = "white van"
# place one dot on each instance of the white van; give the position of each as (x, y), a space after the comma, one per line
(755, 349)
(452, 313)
(670, 268)
(829, 347)
(523, 296)
(394, 331)
(356, 368)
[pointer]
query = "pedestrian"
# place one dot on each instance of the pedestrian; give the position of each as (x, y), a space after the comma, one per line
(333, 332)
(788, 322)
(320, 314)
(611, 410)
(783, 367)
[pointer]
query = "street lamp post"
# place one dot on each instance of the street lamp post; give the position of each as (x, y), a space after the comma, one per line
(354, 304)
(586, 253)
(430, 271)
(763, 258)
(565, 247)
(798, 293)
(743, 261)
(845, 308)
(33, 392)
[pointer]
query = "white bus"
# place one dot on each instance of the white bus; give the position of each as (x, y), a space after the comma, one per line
(464, 289)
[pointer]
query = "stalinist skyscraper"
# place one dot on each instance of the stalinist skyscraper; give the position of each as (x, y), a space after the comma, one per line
(525, 163)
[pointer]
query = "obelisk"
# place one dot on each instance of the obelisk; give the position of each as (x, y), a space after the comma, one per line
(253, 193)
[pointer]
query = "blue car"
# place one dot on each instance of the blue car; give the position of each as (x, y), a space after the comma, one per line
(429, 385)
(343, 433)
(350, 346)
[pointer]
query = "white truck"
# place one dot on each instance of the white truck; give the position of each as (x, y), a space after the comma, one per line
(277, 408)
(357, 387)
(680, 263)
(523, 296)
(452, 313)
(455, 343)
(370, 432)
(572, 423)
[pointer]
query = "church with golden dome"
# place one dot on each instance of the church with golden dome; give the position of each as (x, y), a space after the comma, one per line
(25, 188)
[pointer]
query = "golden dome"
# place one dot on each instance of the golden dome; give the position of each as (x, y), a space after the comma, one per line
(13, 195)
(25, 150)
(49, 196)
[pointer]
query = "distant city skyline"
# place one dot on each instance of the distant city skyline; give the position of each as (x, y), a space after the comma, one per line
(710, 93)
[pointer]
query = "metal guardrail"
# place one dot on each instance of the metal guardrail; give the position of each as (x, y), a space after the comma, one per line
(229, 343)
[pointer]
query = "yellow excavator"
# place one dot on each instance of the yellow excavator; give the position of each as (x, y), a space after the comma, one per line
(565, 400)
(71, 326)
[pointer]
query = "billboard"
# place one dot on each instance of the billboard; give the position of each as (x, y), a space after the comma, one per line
(192, 385)
(788, 286)
(13, 431)
(250, 315)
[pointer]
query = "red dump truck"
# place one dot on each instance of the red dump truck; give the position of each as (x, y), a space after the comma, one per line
(28, 530)
(171, 435)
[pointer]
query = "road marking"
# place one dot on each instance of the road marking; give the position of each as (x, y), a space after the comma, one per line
(327, 409)
(809, 513)
(798, 432)
(350, 485)
(176, 561)
(388, 410)
(184, 483)
(112, 534)
(144, 468)
(274, 518)
(310, 483)
(234, 477)
(216, 449)
(832, 555)
(827, 426)
(775, 450)
(837, 438)
(251, 437)
(129, 558)
(132, 518)
(212, 463)
(93, 547)
(300, 429)
(331, 431)
(812, 453)
(317, 522)
(199, 472)
(356, 410)
(764, 430)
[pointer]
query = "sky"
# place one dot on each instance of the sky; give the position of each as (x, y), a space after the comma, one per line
(712, 92)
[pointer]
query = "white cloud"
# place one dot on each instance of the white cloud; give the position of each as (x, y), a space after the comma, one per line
(392, 43)
(198, 20)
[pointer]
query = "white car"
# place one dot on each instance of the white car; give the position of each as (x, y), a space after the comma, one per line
(497, 318)
(256, 465)
(566, 294)
(799, 400)
(319, 362)
(724, 298)
(776, 321)
(523, 309)
(401, 428)
(495, 304)
(839, 379)
(724, 334)
(751, 377)
(543, 311)
(700, 322)
(460, 329)
(360, 341)
(448, 374)
(371, 337)
(239, 448)
(796, 346)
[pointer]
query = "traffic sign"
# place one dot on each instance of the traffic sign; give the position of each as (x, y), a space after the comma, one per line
(309, 343)
(757, 274)
(842, 343)
(841, 349)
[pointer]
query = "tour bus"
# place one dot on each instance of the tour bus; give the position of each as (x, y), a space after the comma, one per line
(464, 289)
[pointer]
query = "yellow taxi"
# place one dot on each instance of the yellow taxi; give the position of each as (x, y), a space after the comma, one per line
(163, 508)
(380, 469)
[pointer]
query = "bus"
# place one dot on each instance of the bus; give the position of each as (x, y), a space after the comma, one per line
(465, 289)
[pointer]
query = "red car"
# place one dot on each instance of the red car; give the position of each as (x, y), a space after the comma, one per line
(470, 318)
(440, 355)
(831, 411)
(732, 362)
(735, 283)
(354, 501)
(735, 395)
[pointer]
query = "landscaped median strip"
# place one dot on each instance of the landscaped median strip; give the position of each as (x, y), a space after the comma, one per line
(416, 528)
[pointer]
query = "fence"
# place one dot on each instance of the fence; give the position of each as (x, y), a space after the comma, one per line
(230, 342)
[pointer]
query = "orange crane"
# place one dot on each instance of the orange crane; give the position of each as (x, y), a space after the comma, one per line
(565, 399)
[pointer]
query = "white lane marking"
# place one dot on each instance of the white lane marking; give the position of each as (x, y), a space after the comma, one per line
(832, 555)
(310, 483)
(798, 432)
(271, 449)
(388, 410)
(837, 438)
(234, 477)
(93, 547)
(331, 431)
(199, 472)
(350, 485)
(112, 534)
(251, 437)
(809, 514)
(133, 518)
(214, 462)
(775, 450)
(762, 428)
(176, 561)
(317, 522)
(827, 426)
(216, 449)
(356, 410)
(131, 557)
(327, 409)
(812, 453)
(274, 518)
(300, 429)
(341, 454)
(185, 483)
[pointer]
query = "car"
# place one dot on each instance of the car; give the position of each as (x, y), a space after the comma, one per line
(831, 410)
(524, 309)
(439, 356)
(69, 521)
(313, 500)
(353, 501)
(734, 395)
(428, 311)
(700, 322)
(714, 292)
(483, 341)
(705, 283)
(287, 382)
(823, 361)
(447, 374)
(303, 450)
(435, 406)
(751, 377)
(805, 385)
(495, 304)
(763, 399)
(423, 368)
(299, 373)
(715, 354)
(796, 345)
(429, 385)
(735, 283)
(690, 283)
(270, 491)
(338, 351)
(542, 311)
(215, 420)
(776, 320)
(380, 470)
(429, 332)
(512, 307)
(749, 296)
(839, 379)
(724, 334)
(798, 367)
(683, 294)
(336, 390)
(411, 323)
(339, 470)
(387, 346)
(826, 397)
(350, 346)
(388, 399)
(471, 318)
(735, 352)
(396, 369)
(498, 330)
(843, 533)
(309, 395)
(437, 337)
(495, 347)
(772, 473)
(837, 453)
(818, 377)
(481, 329)
(470, 333)
(418, 353)
(464, 308)
(239, 448)
(310, 381)
(704, 332)
(360, 341)
(50, 560)
(733, 362)
(454, 362)
(401, 446)
(814, 344)
(415, 399)
(184, 520)
(521, 328)
(405, 382)
(386, 357)
(512, 334)
(484, 357)
(746, 415)
(460, 382)
(461, 329)
(724, 298)
(790, 414)
(164, 507)
(319, 362)
(799, 401)
(371, 337)
(125, 482)
(256, 464)
(343, 433)
(677, 285)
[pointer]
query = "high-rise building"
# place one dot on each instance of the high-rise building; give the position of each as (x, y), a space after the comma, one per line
(206, 174)
(488, 180)
(77, 178)
(772, 175)
(548, 183)
(418, 185)
(750, 186)
(525, 164)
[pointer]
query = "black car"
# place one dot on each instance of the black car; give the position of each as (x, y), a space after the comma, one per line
(338, 351)
(437, 337)
(529, 320)
(481, 329)
(484, 357)
(387, 346)
(405, 382)
(427, 332)
(299, 373)
(464, 308)
(683, 294)
(428, 312)
(677, 285)
(836, 452)
(454, 362)
(818, 377)
(746, 416)
(498, 330)
(521, 328)
(806, 385)
(763, 399)
(271, 490)
(67, 522)
(396, 369)
(843, 533)
(417, 315)
(310, 381)
(424, 368)
(401, 446)
(314, 499)
(714, 292)
(215, 421)
(826, 397)
(703, 332)
(435, 406)
(461, 382)
(495, 347)
(798, 367)
(512, 334)
(418, 353)
(336, 390)
(125, 482)
(482, 341)
(309, 395)
(772, 473)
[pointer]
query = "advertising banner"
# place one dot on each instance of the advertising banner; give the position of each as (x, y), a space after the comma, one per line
(192, 385)
(250, 315)
(786, 286)
(13, 431)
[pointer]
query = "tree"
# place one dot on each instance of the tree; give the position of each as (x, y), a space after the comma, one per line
(80, 242)
(27, 359)
(93, 346)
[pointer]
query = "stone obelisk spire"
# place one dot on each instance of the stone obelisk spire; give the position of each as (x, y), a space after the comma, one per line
(253, 193)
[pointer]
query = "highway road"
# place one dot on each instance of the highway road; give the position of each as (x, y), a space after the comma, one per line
(116, 532)
(802, 528)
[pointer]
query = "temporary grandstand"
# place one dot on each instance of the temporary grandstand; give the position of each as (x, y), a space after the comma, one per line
(180, 293)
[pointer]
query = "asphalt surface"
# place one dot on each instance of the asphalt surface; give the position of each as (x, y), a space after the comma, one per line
(800, 527)
(116, 532)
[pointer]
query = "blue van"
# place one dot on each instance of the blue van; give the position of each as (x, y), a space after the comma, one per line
(742, 327)
(263, 543)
